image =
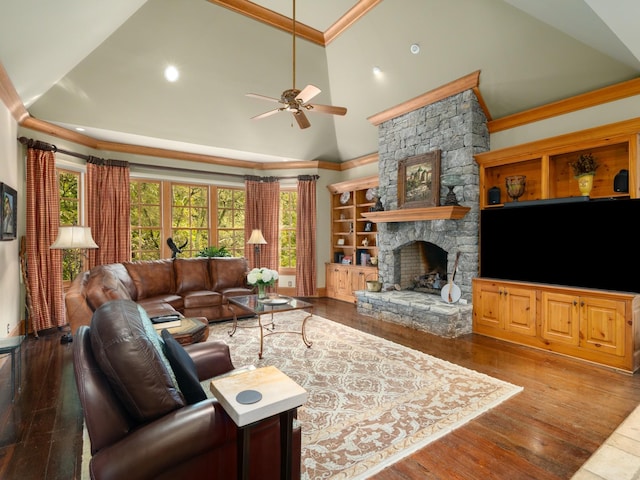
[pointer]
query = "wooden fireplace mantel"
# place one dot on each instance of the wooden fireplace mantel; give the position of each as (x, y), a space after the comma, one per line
(451, 212)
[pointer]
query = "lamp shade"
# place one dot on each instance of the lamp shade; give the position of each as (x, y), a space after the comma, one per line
(74, 237)
(256, 238)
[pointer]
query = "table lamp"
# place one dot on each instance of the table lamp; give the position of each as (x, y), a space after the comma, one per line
(257, 239)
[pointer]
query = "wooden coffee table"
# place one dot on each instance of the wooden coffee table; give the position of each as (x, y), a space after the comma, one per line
(192, 330)
(266, 307)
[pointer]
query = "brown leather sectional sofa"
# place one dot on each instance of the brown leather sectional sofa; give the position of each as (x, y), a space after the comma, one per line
(193, 287)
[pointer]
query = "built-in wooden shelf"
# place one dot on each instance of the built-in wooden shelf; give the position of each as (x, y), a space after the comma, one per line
(450, 212)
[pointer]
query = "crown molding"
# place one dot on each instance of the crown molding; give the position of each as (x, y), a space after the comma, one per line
(284, 23)
(468, 82)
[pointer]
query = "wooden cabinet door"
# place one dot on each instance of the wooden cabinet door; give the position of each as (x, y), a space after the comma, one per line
(560, 318)
(519, 310)
(487, 301)
(602, 325)
(331, 280)
(343, 283)
(358, 280)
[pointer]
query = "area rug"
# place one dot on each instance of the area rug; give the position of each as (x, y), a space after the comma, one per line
(370, 401)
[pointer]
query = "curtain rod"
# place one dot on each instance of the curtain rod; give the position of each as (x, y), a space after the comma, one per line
(48, 146)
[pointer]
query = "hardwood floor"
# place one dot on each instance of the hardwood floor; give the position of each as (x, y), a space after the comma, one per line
(567, 409)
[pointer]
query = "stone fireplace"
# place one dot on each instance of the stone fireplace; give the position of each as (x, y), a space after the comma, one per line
(408, 249)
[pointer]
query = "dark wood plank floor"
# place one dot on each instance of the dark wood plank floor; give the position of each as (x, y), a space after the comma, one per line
(567, 409)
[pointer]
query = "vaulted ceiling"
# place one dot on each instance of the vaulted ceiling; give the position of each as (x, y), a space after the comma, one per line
(99, 65)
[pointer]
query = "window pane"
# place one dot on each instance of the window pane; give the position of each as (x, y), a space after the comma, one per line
(190, 218)
(145, 218)
(230, 216)
(288, 216)
(68, 192)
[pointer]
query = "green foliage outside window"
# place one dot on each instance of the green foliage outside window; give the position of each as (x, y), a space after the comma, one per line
(190, 217)
(230, 218)
(68, 190)
(288, 221)
(146, 219)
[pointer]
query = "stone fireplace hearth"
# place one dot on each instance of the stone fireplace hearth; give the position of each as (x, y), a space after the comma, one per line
(457, 126)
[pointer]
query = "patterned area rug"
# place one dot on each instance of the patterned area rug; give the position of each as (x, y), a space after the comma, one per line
(370, 402)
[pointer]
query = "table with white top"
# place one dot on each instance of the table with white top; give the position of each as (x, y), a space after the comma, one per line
(278, 395)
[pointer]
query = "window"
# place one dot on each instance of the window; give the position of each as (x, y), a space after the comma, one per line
(69, 191)
(194, 215)
(190, 217)
(288, 222)
(230, 220)
(146, 220)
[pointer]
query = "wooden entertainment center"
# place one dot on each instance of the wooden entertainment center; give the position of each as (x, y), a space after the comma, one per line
(591, 324)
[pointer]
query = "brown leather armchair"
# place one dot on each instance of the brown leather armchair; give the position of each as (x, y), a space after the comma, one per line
(140, 424)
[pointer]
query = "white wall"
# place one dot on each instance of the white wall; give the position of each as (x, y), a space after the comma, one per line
(11, 173)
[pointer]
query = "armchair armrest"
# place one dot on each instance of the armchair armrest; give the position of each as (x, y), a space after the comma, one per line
(162, 445)
(211, 358)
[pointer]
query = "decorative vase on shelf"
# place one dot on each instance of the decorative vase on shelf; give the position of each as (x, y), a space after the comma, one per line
(262, 291)
(515, 186)
(585, 184)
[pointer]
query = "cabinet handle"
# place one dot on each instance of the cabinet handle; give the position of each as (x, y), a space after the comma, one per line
(575, 302)
(582, 303)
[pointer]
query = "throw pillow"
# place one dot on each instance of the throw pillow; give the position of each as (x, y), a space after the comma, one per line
(184, 369)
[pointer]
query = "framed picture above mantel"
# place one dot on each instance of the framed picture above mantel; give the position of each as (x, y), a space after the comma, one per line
(8, 213)
(419, 181)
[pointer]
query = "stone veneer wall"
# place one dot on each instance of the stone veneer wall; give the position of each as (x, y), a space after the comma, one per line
(458, 127)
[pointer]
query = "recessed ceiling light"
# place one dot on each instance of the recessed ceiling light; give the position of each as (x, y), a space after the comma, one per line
(415, 48)
(171, 73)
(376, 70)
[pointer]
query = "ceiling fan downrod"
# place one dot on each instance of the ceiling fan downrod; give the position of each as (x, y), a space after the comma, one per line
(294, 46)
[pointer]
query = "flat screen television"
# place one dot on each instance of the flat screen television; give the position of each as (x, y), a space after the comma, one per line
(589, 244)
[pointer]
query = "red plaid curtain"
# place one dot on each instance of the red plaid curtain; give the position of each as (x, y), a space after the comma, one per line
(306, 236)
(108, 205)
(44, 266)
(262, 211)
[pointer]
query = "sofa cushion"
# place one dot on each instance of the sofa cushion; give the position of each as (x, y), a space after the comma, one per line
(129, 353)
(228, 273)
(191, 274)
(173, 301)
(121, 273)
(102, 286)
(184, 369)
(202, 298)
(156, 309)
(152, 277)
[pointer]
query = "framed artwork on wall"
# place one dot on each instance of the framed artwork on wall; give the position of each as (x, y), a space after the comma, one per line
(9, 212)
(419, 181)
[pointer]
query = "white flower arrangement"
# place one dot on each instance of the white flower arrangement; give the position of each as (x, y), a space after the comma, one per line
(262, 276)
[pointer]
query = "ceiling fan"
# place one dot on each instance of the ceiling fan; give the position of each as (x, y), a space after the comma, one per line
(294, 100)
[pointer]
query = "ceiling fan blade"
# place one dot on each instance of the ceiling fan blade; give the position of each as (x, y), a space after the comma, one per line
(328, 109)
(301, 118)
(266, 114)
(263, 97)
(308, 93)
